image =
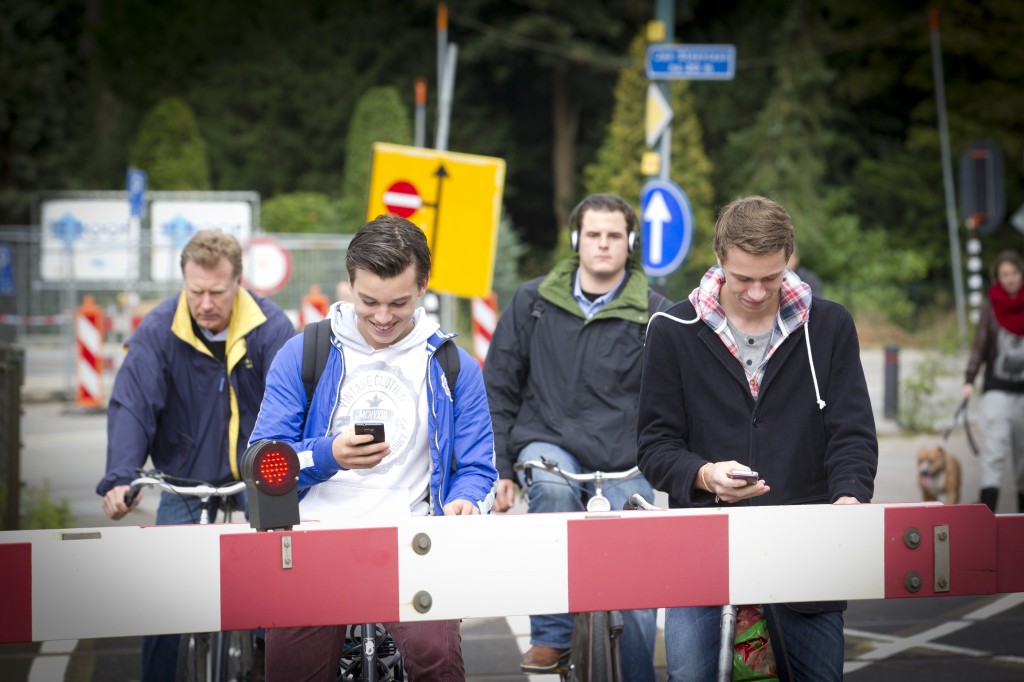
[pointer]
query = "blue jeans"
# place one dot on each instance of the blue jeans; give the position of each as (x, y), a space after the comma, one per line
(551, 493)
(807, 646)
(160, 652)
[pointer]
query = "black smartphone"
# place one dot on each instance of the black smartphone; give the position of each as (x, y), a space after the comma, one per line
(749, 476)
(375, 428)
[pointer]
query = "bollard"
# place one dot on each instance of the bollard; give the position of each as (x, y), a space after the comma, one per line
(485, 318)
(892, 380)
(314, 307)
(89, 327)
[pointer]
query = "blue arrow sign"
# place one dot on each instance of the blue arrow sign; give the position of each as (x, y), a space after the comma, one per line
(667, 226)
(673, 61)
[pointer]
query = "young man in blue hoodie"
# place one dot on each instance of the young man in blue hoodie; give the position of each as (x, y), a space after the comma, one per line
(381, 367)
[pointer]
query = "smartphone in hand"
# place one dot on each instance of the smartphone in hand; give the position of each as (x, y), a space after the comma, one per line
(749, 476)
(375, 428)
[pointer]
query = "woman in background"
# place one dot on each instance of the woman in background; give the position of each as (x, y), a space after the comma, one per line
(999, 345)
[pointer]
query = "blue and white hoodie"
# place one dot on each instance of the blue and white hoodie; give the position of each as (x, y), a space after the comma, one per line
(404, 387)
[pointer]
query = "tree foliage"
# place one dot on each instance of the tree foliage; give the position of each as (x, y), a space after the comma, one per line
(379, 116)
(617, 167)
(300, 212)
(171, 149)
(833, 109)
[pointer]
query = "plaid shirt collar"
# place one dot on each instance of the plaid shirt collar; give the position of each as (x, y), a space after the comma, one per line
(793, 311)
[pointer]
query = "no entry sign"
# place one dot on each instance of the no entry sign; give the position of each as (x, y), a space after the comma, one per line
(402, 199)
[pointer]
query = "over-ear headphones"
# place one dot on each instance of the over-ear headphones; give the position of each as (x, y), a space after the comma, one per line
(602, 202)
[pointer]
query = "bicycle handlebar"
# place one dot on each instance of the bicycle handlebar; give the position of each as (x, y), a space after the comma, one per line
(638, 501)
(553, 467)
(202, 490)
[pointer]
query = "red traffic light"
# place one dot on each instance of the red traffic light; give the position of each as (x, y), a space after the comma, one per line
(272, 466)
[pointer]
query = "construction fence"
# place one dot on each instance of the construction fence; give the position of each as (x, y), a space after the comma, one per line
(35, 301)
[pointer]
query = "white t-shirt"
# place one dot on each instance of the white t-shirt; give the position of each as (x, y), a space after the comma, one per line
(387, 385)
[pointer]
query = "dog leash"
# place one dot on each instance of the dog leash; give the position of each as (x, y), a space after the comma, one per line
(962, 410)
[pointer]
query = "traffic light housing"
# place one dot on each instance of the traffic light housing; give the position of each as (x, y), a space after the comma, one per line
(270, 469)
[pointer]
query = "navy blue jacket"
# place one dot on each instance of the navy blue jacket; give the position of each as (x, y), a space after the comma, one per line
(176, 403)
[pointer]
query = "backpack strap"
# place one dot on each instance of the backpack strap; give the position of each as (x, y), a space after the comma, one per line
(448, 357)
(316, 346)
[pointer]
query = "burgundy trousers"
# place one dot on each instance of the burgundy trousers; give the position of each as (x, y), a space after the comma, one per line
(431, 650)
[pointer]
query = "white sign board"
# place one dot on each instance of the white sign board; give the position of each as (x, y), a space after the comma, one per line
(172, 224)
(87, 240)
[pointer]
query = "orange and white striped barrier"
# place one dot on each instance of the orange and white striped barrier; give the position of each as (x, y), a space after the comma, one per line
(485, 319)
(313, 308)
(89, 353)
(58, 584)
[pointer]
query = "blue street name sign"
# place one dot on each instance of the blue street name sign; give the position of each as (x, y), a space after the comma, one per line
(672, 61)
(667, 227)
(135, 183)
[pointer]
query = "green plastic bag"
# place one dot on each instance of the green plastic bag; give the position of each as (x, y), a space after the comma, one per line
(752, 657)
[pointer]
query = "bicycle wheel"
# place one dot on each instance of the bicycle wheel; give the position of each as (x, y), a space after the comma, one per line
(591, 657)
(193, 658)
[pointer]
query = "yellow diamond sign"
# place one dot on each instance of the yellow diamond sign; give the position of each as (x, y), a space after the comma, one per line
(454, 198)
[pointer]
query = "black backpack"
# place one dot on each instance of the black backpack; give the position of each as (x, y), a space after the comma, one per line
(316, 345)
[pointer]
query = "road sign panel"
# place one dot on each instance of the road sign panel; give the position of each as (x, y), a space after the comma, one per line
(667, 226)
(454, 198)
(135, 183)
(659, 114)
(673, 61)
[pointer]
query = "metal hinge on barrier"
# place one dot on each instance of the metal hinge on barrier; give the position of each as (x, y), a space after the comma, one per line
(942, 578)
(286, 551)
(940, 537)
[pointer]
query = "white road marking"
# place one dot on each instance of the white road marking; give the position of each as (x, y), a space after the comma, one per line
(50, 664)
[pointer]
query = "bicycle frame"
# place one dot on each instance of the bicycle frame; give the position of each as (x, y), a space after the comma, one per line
(594, 654)
(231, 653)
(727, 635)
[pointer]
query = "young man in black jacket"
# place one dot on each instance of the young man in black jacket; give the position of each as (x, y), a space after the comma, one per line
(739, 378)
(562, 377)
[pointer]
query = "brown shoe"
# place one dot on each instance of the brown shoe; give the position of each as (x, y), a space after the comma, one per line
(543, 659)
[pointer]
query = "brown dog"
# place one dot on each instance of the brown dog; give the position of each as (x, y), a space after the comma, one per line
(938, 474)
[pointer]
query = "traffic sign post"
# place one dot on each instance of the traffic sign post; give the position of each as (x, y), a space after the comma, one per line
(670, 61)
(667, 227)
(454, 198)
(982, 195)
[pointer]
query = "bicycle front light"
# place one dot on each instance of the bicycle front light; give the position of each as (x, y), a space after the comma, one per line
(270, 469)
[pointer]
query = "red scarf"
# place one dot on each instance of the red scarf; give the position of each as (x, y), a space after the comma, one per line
(1009, 311)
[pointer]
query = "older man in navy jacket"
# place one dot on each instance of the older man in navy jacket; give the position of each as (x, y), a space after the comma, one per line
(748, 375)
(189, 391)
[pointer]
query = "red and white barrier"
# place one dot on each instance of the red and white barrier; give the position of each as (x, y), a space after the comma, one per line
(112, 582)
(89, 328)
(485, 319)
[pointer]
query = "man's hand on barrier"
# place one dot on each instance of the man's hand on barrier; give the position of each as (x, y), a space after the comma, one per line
(505, 497)
(846, 499)
(460, 508)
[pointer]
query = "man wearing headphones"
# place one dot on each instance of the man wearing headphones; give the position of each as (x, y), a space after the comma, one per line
(563, 379)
